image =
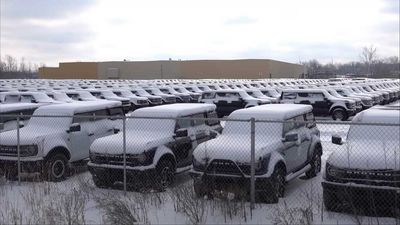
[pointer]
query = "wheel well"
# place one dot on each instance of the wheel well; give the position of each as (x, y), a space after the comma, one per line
(57, 150)
(281, 165)
(168, 157)
(318, 148)
(338, 107)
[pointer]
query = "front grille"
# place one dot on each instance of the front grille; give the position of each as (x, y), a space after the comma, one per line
(223, 167)
(171, 99)
(155, 100)
(8, 150)
(107, 159)
(369, 177)
(142, 102)
(125, 102)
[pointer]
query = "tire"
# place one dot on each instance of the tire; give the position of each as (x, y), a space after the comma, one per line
(315, 164)
(56, 168)
(276, 186)
(331, 201)
(165, 174)
(339, 114)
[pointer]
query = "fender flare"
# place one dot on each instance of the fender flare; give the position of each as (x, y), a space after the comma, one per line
(314, 142)
(160, 152)
(276, 158)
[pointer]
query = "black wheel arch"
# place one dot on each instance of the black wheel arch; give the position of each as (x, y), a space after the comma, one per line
(58, 150)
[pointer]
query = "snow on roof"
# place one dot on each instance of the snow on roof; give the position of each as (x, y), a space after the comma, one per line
(278, 112)
(305, 90)
(174, 110)
(378, 115)
(75, 107)
(4, 108)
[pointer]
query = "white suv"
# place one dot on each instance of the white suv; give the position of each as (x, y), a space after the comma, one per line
(156, 147)
(49, 144)
(284, 149)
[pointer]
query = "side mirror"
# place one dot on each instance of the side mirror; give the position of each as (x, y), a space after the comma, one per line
(290, 138)
(337, 140)
(1, 126)
(75, 127)
(116, 130)
(21, 124)
(33, 101)
(181, 133)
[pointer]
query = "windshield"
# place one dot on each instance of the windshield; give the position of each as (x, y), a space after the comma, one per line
(381, 133)
(49, 122)
(11, 98)
(108, 93)
(164, 126)
(262, 129)
(42, 96)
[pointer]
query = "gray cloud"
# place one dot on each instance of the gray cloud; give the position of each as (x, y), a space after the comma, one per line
(41, 9)
(391, 6)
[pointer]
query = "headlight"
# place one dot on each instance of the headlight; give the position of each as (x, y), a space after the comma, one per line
(199, 166)
(29, 150)
(332, 171)
(142, 159)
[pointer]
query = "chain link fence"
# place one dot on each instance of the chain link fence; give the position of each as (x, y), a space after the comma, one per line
(298, 170)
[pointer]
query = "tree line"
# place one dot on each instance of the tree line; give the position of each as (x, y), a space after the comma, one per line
(369, 65)
(12, 68)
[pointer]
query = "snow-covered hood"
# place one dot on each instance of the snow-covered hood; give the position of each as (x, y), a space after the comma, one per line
(28, 136)
(235, 147)
(367, 154)
(136, 142)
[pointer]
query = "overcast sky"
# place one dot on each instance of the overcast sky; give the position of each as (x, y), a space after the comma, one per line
(51, 31)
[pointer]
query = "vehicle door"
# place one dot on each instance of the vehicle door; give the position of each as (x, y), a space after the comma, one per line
(320, 103)
(79, 141)
(291, 149)
(201, 130)
(305, 139)
(183, 145)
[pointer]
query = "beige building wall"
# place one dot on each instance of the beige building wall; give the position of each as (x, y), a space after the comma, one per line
(190, 69)
(138, 70)
(70, 70)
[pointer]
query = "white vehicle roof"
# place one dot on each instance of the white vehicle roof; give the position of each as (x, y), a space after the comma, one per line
(75, 107)
(379, 115)
(276, 112)
(174, 110)
(4, 108)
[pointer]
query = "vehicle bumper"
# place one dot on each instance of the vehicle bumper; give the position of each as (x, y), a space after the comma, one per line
(351, 112)
(134, 177)
(231, 183)
(26, 166)
(357, 193)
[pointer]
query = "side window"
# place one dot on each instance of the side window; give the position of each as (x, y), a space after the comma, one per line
(82, 117)
(289, 95)
(208, 95)
(183, 123)
(115, 111)
(303, 95)
(317, 96)
(288, 126)
(11, 98)
(118, 93)
(309, 117)
(100, 113)
(27, 98)
(51, 96)
(210, 116)
(299, 121)
(222, 94)
(199, 122)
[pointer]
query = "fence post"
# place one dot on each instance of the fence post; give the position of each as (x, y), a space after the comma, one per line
(252, 173)
(124, 149)
(18, 153)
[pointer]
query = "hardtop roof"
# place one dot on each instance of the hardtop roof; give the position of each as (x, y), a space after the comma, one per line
(278, 112)
(174, 110)
(76, 107)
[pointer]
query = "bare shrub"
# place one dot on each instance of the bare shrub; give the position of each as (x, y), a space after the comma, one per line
(69, 209)
(185, 201)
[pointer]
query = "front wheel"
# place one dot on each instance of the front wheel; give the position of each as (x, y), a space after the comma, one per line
(165, 174)
(339, 114)
(56, 168)
(277, 186)
(315, 165)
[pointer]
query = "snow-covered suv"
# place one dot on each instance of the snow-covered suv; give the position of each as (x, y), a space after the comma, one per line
(367, 164)
(10, 123)
(49, 144)
(323, 103)
(284, 149)
(230, 100)
(156, 147)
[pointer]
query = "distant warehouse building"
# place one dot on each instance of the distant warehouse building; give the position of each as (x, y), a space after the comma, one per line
(172, 69)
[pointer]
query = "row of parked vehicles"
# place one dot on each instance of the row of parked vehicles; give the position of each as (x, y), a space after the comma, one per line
(188, 137)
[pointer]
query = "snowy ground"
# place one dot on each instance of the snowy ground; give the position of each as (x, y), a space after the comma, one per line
(78, 201)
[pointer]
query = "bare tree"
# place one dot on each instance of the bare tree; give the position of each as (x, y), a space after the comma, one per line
(11, 64)
(368, 56)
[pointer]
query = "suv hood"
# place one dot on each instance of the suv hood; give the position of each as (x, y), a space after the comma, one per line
(236, 148)
(27, 136)
(136, 142)
(367, 154)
